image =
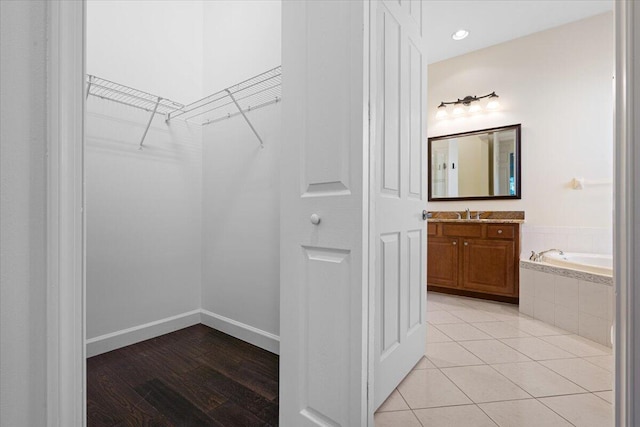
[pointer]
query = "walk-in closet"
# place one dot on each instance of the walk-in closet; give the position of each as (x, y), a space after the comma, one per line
(182, 149)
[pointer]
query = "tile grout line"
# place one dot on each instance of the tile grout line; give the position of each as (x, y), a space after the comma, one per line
(568, 379)
(538, 362)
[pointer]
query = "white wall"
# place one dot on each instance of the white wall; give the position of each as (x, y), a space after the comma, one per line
(241, 39)
(146, 242)
(143, 218)
(241, 198)
(152, 45)
(22, 213)
(143, 207)
(241, 226)
(558, 84)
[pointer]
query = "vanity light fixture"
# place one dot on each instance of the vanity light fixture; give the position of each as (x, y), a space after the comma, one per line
(460, 34)
(468, 103)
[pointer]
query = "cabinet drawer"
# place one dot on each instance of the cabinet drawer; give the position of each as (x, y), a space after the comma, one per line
(432, 229)
(500, 231)
(462, 230)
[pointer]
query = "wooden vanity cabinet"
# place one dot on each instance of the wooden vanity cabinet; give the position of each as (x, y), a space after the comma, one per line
(474, 259)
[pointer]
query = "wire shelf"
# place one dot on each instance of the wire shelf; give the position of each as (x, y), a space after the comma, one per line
(112, 91)
(256, 92)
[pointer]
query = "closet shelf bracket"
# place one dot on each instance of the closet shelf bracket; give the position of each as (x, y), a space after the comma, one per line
(153, 113)
(89, 87)
(245, 117)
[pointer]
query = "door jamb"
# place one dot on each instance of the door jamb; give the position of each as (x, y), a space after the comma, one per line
(626, 214)
(65, 272)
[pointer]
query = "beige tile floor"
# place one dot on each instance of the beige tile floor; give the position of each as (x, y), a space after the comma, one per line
(488, 365)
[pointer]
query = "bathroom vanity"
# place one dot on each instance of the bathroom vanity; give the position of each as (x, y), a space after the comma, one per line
(474, 257)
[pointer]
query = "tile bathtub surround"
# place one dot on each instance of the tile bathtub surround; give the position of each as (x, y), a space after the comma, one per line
(521, 372)
(581, 303)
(597, 240)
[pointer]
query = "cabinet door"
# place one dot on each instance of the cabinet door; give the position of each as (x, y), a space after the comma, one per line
(442, 262)
(488, 266)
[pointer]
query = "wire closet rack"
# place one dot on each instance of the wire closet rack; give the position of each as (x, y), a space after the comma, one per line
(116, 92)
(251, 94)
(125, 95)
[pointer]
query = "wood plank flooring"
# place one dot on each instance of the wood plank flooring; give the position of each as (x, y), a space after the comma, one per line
(196, 376)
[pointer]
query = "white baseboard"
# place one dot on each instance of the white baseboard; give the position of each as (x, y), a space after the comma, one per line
(242, 331)
(125, 337)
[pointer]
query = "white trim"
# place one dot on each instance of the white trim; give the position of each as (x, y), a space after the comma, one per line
(114, 340)
(242, 331)
(626, 213)
(65, 218)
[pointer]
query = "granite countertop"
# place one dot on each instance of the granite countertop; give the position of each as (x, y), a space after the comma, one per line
(486, 217)
(480, 221)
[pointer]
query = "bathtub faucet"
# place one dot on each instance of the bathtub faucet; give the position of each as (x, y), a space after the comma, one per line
(537, 257)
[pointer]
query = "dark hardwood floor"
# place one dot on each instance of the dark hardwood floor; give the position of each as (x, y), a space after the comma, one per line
(196, 376)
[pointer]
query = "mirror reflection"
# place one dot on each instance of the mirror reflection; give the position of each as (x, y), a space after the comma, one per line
(483, 164)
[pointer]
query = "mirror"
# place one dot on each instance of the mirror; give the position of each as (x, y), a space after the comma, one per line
(478, 165)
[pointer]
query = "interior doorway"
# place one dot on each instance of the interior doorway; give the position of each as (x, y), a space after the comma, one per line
(70, 323)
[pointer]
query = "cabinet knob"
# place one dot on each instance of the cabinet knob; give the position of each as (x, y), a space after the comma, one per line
(466, 243)
(499, 231)
(454, 243)
(315, 219)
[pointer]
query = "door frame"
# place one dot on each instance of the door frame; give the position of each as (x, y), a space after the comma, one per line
(65, 220)
(65, 253)
(626, 212)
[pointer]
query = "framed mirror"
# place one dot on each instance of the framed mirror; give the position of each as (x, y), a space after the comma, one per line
(478, 165)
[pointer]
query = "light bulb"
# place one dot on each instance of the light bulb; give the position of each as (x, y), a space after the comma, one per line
(458, 110)
(460, 34)
(442, 113)
(474, 108)
(493, 103)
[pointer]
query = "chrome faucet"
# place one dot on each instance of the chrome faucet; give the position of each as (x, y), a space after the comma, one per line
(459, 216)
(478, 213)
(537, 257)
(468, 213)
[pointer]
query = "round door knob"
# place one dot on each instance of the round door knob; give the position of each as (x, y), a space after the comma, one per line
(466, 243)
(454, 243)
(315, 219)
(499, 231)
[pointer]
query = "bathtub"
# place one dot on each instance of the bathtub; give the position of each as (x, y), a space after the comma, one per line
(572, 291)
(590, 263)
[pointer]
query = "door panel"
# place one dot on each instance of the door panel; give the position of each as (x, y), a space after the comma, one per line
(324, 221)
(398, 165)
(390, 276)
(326, 375)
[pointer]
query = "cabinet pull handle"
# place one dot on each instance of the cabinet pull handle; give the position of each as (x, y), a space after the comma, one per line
(466, 243)
(454, 243)
(499, 231)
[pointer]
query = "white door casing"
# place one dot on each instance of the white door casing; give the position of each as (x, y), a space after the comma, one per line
(398, 190)
(324, 283)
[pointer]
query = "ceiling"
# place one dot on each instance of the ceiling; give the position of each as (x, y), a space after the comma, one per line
(490, 22)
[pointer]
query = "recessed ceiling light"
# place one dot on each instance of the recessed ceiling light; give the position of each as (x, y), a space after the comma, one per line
(460, 34)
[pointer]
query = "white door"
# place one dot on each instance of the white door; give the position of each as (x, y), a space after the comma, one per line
(324, 214)
(398, 190)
